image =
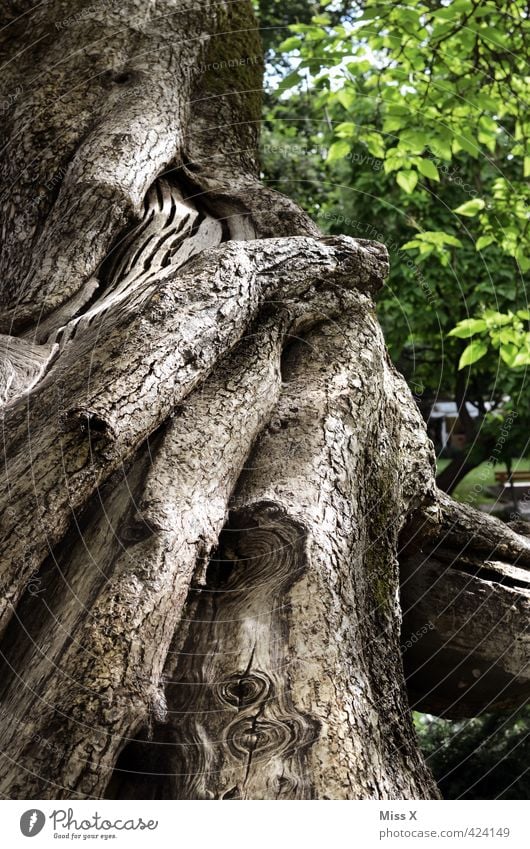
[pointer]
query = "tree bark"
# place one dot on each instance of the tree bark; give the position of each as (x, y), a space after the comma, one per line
(208, 457)
(465, 591)
(288, 683)
(475, 450)
(456, 470)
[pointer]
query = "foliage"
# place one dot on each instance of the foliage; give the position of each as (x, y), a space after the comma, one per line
(482, 758)
(443, 83)
(346, 137)
(507, 333)
(424, 297)
(276, 16)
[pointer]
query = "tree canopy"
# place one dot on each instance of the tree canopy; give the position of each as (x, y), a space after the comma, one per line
(408, 123)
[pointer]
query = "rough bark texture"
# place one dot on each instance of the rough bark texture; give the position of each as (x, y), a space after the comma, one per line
(466, 596)
(208, 458)
(117, 381)
(289, 681)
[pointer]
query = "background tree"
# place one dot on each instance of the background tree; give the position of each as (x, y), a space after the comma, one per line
(423, 116)
(480, 758)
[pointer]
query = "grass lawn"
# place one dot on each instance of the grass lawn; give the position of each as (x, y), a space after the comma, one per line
(484, 476)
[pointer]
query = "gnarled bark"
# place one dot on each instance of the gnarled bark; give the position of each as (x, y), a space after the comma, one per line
(279, 689)
(466, 600)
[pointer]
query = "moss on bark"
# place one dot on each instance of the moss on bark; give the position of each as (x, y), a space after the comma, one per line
(234, 62)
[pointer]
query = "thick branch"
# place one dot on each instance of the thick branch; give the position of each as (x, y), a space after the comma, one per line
(281, 685)
(118, 586)
(466, 599)
(123, 377)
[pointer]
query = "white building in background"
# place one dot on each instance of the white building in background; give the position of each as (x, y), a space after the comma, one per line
(444, 416)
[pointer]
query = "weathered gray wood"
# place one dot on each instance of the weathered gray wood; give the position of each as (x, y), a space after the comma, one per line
(22, 365)
(466, 640)
(121, 585)
(104, 101)
(123, 376)
(280, 689)
(466, 600)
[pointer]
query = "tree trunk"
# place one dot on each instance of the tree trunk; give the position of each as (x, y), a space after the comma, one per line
(454, 473)
(208, 457)
(475, 450)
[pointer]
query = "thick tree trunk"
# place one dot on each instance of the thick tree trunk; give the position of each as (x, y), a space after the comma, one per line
(208, 458)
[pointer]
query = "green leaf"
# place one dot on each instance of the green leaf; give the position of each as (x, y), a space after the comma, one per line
(497, 319)
(468, 327)
(522, 359)
(338, 150)
(374, 143)
(453, 10)
(461, 142)
(439, 238)
(394, 163)
(413, 141)
(407, 180)
(471, 207)
(290, 80)
(371, 13)
(492, 37)
(508, 336)
(474, 352)
(393, 123)
(428, 169)
(483, 242)
(451, 240)
(346, 130)
(346, 98)
(291, 43)
(509, 354)
(441, 147)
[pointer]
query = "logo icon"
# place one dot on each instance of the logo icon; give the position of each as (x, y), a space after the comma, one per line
(32, 822)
